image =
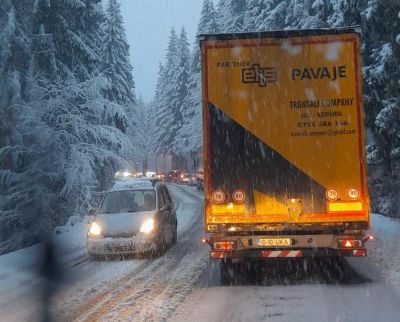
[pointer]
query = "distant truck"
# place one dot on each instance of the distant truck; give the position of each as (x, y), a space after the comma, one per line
(284, 159)
(165, 162)
(199, 162)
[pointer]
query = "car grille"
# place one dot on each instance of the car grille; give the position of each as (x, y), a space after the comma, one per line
(118, 248)
(119, 235)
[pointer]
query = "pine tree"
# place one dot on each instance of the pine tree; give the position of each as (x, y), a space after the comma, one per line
(231, 15)
(86, 142)
(118, 69)
(168, 117)
(208, 18)
(257, 11)
(189, 135)
(21, 194)
(182, 87)
(207, 25)
(382, 91)
(145, 137)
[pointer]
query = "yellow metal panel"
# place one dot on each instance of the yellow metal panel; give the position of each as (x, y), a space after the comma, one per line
(315, 122)
(296, 117)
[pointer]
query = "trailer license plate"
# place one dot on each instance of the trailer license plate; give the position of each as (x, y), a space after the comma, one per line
(274, 242)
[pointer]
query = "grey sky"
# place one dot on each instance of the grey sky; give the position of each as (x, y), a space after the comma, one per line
(148, 24)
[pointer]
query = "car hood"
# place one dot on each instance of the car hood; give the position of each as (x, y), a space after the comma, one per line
(122, 224)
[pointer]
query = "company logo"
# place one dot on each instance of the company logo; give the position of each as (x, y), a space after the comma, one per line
(260, 75)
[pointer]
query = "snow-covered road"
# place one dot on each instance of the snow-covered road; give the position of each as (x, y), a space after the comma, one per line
(141, 290)
(184, 285)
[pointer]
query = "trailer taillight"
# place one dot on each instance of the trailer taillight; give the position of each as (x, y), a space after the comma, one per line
(368, 238)
(225, 245)
(350, 243)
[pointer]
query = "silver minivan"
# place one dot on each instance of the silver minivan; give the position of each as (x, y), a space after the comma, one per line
(132, 220)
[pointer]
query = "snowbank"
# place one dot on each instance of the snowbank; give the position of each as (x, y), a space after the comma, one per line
(20, 279)
(383, 251)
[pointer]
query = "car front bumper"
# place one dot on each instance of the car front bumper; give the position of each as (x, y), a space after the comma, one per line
(119, 246)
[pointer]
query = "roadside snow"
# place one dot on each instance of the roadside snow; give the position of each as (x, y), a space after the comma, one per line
(20, 279)
(384, 249)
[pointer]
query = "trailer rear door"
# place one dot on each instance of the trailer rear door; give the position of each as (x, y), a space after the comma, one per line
(283, 128)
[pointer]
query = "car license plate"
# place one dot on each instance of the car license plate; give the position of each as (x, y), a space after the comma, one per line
(274, 242)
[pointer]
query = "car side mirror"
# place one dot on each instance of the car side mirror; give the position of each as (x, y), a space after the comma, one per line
(92, 212)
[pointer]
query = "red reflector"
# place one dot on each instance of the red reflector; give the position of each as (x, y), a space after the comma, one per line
(217, 255)
(359, 252)
(225, 245)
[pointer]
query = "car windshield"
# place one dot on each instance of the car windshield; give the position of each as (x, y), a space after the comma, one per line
(128, 201)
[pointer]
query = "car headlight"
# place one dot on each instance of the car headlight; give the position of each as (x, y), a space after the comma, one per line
(148, 226)
(95, 229)
(127, 174)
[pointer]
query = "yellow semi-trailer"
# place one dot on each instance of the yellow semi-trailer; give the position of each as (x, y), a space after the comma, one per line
(284, 158)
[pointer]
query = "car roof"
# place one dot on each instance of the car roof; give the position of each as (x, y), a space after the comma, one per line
(133, 184)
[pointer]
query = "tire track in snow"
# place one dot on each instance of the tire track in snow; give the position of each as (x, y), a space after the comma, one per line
(153, 290)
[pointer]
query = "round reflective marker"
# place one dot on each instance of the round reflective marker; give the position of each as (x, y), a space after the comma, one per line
(218, 196)
(238, 195)
(331, 194)
(353, 193)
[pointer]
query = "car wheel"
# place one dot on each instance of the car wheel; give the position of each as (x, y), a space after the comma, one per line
(175, 238)
(160, 244)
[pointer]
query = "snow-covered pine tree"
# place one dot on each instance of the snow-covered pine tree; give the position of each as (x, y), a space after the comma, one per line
(117, 67)
(381, 21)
(21, 193)
(207, 24)
(86, 143)
(168, 117)
(256, 13)
(181, 87)
(189, 134)
(231, 15)
(118, 71)
(144, 140)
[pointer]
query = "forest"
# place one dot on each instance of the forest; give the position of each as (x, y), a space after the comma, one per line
(70, 116)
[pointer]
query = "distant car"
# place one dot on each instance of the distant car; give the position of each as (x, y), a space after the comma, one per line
(124, 174)
(184, 178)
(133, 219)
(174, 176)
(160, 176)
(192, 180)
